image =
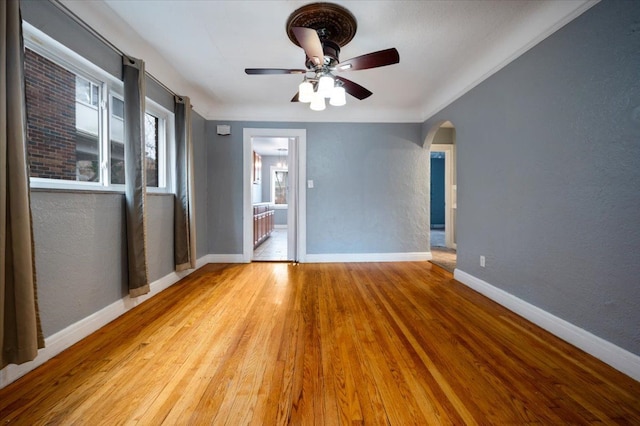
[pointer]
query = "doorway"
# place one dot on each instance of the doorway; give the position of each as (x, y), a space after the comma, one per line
(274, 201)
(443, 196)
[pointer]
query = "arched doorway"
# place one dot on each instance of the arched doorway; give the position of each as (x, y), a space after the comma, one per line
(441, 144)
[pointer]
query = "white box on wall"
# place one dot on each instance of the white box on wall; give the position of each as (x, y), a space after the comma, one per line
(224, 129)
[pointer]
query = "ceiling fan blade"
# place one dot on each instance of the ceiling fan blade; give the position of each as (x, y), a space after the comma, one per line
(310, 42)
(354, 89)
(260, 71)
(370, 60)
(296, 98)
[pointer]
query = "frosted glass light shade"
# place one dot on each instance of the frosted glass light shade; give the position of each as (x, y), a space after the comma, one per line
(325, 86)
(305, 92)
(317, 104)
(338, 97)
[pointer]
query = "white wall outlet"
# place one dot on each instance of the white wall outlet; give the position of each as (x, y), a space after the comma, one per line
(482, 262)
(309, 184)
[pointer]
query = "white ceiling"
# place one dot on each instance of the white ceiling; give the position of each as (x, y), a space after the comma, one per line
(270, 146)
(201, 48)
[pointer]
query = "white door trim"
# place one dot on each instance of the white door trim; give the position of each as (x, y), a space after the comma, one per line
(449, 191)
(298, 161)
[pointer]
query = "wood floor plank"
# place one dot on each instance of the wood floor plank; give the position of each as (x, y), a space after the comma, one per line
(360, 343)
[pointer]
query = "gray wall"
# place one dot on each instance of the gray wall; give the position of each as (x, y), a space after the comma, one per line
(80, 251)
(549, 170)
(80, 255)
(371, 187)
(371, 190)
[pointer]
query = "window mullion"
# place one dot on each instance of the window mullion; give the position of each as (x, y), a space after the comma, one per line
(105, 169)
(161, 156)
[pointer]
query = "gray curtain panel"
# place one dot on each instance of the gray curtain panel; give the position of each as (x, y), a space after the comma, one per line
(135, 175)
(184, 210)
(20, 331)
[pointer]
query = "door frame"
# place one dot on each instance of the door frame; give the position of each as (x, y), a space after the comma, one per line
(297, 214)
(449, 191)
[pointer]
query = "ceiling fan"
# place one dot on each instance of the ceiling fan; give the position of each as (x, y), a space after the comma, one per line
(321, 29)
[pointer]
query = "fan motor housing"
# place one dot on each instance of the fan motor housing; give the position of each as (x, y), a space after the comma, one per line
(331, 53)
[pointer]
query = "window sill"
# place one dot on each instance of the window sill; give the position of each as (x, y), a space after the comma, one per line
(80, 188)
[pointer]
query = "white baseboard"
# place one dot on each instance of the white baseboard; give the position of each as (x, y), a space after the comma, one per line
(224, 258)
(367, 257)
(615, 356)
(63, 339)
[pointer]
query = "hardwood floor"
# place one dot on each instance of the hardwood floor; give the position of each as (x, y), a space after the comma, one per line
(271, 344)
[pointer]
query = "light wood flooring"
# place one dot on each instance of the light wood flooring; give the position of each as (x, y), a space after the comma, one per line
(325, 344)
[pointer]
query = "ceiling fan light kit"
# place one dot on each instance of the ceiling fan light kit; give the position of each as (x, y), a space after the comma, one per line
(338, 96)
(321, 29)
(317, 102)
(305, 91)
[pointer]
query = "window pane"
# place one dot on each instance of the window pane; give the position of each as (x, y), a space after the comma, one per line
(95, 95)
(116, 138)
(280, 186)
(63, 132)
(83, 90)
(151, 148)
(117, 108)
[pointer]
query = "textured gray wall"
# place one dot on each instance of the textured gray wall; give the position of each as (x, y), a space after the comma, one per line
(80, 255)
(371, 188)
(549, 170)
(224, 195)
(160, 235)
(81, 249)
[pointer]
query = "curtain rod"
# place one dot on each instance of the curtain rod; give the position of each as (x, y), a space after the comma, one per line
(103, 39)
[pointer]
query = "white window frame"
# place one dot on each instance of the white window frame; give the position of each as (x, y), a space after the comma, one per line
(45, 46)
(272, 176)
(166, 132)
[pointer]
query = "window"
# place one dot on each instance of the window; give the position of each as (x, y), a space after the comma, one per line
(75, 122)
(116, 140)
(87, 92)
(279, 185)
(63, 130)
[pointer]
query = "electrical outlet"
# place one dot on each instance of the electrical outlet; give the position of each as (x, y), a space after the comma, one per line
(482, 261)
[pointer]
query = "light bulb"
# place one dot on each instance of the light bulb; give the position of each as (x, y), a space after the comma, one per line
(317, 104)
(338, 97)
(325, 86)
(305, 92)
